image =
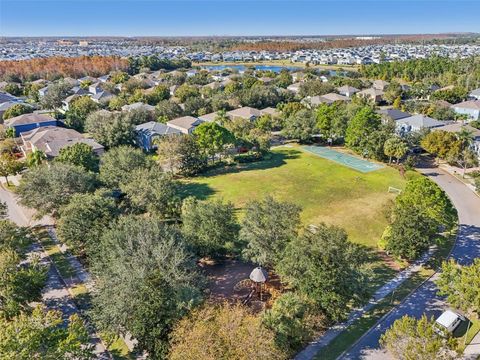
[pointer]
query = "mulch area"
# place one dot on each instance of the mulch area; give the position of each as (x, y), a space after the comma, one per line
(228, 280)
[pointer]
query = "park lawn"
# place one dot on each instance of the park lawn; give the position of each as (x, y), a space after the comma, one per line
(326, 191)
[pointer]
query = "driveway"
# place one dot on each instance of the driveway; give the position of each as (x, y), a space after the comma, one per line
(425, 298)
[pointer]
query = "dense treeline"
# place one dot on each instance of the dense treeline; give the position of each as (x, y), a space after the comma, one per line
(436, 70)
(155, 63)
(56, 67)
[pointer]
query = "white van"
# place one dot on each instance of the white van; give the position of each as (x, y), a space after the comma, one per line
(448, 322)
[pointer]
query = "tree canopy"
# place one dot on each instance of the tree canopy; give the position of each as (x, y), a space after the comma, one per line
(223, 332)
(48, 188)
(326, 268)
(409, 338)
(267, 228)
(145, 280)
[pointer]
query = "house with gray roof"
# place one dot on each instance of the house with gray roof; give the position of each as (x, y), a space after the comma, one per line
(470, 108)
(475, 94)
(51, 139)
(102, 97)
(147, 133)
(392, 114)
(346, 90)
(416, 123)
(28, 122)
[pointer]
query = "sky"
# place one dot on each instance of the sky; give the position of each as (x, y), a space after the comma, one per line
(235, 17)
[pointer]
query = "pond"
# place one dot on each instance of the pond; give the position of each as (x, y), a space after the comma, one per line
(274, 68)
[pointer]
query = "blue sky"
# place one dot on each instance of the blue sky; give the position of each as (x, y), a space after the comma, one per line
(235, 17)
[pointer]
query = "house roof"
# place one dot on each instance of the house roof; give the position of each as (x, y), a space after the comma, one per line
(4, 97)
(380, 84)
(347, 89)
(51, 139)
(393, 114)
(245, 112)
(32, 118)
(421, 121)
(185, 122)
(7, 105)
(457, 127)
(102, 95)
(371, 92)
(155, 128)
(332, 97)
(209, 117)
(471, 104)
(270, 111)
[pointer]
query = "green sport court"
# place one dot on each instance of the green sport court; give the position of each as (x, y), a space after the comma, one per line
(351, 161)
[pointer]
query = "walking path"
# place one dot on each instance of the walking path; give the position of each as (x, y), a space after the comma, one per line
(314, 347)
(56, 294)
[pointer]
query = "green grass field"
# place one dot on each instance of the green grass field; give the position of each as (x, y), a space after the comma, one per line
(326, 191)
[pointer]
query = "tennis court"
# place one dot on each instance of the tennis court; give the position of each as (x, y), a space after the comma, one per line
(351, 161)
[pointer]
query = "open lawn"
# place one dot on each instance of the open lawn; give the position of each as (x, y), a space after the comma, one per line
(325, 190)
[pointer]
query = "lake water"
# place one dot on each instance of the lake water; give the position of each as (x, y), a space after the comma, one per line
(274, 68)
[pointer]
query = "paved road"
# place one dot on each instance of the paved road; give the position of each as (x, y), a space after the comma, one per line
(425, 299)
(55, 294)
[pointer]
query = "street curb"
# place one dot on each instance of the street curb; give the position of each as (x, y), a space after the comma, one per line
(410, 293)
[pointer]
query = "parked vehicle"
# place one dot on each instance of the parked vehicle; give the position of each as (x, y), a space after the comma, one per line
(448, 322)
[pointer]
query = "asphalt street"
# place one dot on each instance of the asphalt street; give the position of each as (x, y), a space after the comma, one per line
(425, 299)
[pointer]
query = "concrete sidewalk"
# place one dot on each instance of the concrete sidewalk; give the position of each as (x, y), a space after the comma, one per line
(314, 347)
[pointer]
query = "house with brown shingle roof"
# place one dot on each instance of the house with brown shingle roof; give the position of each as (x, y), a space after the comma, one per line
(245, 112)
(51, 139)
(186, 124)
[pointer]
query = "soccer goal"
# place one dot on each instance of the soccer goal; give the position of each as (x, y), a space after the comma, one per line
(394, 190)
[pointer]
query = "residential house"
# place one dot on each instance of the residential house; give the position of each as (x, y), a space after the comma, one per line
(346, 90)
(380, 84)
(245, 112)
(392, 114)
(68, 100)
(416, 123)
(457, 127)
(102, 97)
(6, 102)
(372, 94)
(470, 108)
(324, 99)
(147, 133)
(43, 91)
(77, 90)
(186, 124)
(28, 122)
(475, 94)
(211, 117)
(51, 139)
(95, 88)
(270, 111)
(295, 87)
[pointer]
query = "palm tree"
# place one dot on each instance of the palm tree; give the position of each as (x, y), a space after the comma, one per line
(222, 117)
(35, 158)
(465, 136)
